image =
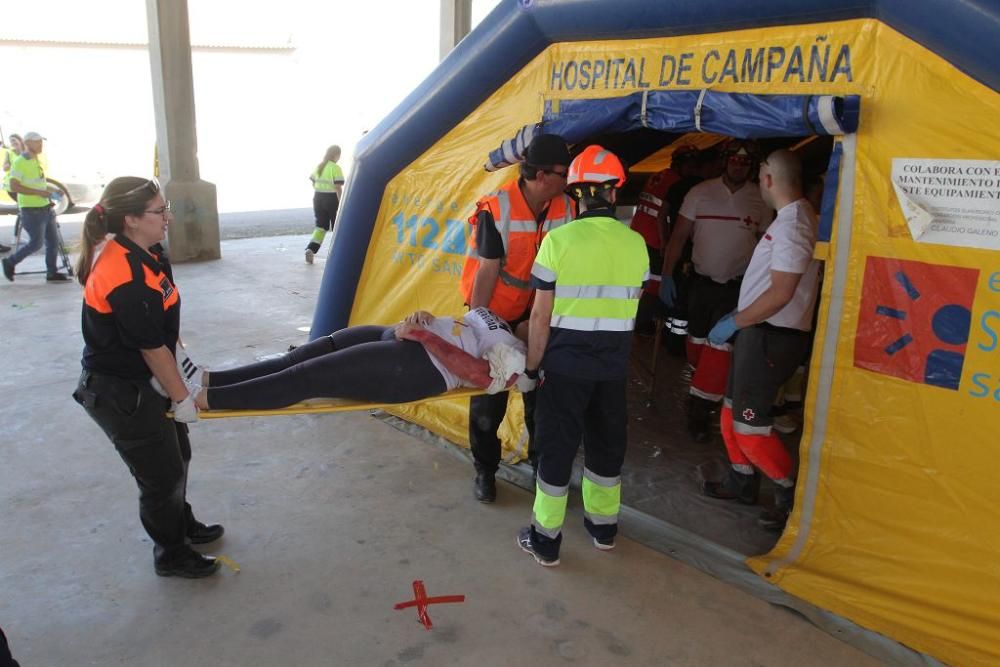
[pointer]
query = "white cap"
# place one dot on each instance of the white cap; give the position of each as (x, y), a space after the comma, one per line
(33, 136)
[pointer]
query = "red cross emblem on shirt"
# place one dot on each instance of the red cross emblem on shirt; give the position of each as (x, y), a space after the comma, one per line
(749, 415)
(748, 221)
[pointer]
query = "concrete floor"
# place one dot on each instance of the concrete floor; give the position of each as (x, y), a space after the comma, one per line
(331, 518)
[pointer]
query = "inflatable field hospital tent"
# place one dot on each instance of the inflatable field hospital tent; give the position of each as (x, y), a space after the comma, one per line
(897, 515)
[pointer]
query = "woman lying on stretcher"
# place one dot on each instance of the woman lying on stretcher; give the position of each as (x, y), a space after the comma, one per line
(420, 357)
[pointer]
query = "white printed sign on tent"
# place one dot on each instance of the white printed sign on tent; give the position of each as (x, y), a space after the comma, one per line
(950, 202)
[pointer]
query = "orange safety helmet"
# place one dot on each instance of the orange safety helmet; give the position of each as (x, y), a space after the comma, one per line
(598, 166)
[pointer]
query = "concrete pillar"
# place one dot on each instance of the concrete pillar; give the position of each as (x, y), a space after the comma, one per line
(456, 22)
(194, 234)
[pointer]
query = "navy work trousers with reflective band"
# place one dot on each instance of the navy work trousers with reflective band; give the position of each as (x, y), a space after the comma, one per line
(570, 410)
(765, 357)
(155, 449)
(40, 225)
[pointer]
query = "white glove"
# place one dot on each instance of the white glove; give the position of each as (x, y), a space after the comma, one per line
(525, 384)
(185, 411)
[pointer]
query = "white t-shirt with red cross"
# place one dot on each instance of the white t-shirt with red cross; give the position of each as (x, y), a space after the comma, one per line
(787, 246)
(726, 227)
(478, 331)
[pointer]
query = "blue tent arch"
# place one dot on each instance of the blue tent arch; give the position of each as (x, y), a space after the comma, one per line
(518, 30)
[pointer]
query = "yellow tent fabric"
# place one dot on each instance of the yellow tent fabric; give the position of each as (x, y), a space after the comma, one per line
(898, 501)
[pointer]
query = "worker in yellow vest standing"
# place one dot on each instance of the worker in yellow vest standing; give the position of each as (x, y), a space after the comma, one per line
(588, 277)
(10, 153)
(328, 183)
(27, 179)
(508, 227)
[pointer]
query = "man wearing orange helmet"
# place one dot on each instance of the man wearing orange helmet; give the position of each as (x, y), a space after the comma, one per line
(508, 227)
(724, 217)
(588, 277)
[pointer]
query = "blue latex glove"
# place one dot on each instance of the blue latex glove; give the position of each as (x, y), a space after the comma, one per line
(668, 291)
(723, 330)
(55, 195)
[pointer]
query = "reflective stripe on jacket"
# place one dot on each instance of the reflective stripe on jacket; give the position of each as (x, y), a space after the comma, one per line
(521, 236)
(598, 266)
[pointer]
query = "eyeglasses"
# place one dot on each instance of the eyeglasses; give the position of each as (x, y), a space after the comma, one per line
(162, 211)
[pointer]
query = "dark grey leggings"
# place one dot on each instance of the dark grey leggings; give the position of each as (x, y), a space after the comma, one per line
(363, 363)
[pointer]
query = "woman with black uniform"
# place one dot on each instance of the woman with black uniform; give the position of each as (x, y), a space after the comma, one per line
(131, 320)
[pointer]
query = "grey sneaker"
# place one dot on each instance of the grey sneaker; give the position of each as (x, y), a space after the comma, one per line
(524, 541)
(310, 255)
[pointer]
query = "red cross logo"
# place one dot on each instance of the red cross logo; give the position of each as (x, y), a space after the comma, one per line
(749, 415)
(420, 601)
(748, 221)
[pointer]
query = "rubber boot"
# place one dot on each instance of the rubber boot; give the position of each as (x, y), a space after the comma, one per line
(735, 486)
(775, 518)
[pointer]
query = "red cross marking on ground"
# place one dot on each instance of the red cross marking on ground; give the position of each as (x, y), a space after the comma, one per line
(420, 601)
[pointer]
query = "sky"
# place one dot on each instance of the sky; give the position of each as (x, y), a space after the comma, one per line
(307, 75)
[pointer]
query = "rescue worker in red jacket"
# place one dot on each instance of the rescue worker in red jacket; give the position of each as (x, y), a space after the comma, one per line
(131, 324)
(508, 227)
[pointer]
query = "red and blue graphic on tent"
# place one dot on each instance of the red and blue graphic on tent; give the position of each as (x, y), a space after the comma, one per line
(914, 321)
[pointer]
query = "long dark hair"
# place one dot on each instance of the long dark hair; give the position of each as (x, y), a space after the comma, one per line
(125, 195)
(332, 155)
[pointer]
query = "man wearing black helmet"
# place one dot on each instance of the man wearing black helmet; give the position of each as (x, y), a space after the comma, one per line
(508, 228)
(724, 218)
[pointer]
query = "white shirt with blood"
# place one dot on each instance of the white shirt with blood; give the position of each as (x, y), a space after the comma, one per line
(478, 331)
(787, 246)
(726, 227)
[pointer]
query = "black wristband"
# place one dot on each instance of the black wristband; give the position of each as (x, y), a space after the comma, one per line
(531, 373)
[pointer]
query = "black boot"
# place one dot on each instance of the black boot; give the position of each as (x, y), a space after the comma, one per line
(775, 518)
(486, 487)
(186, 563)
(199, 533)
(735, 486)
(699, 411)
